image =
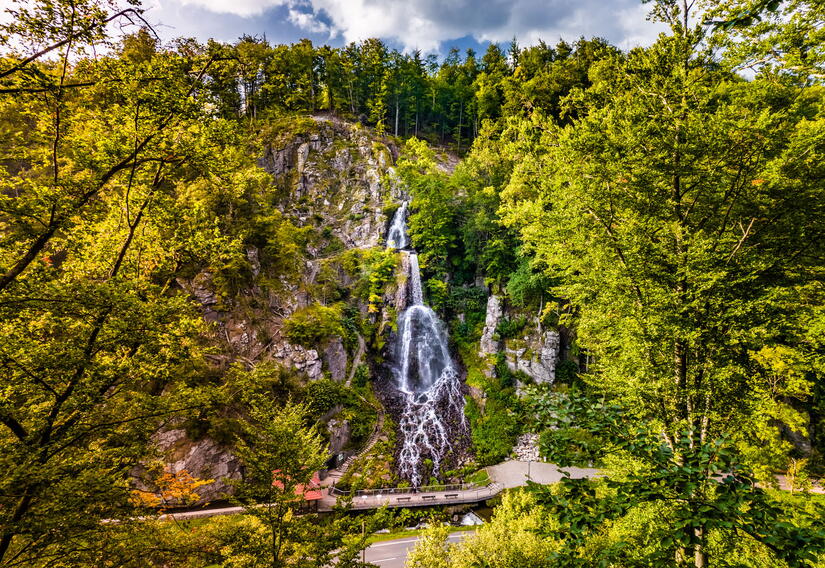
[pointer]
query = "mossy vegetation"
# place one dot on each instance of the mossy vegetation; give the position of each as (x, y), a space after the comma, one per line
(376, 467)
(313, 325)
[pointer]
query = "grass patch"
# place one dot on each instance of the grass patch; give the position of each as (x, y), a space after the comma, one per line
(480, 477)
(404, 533)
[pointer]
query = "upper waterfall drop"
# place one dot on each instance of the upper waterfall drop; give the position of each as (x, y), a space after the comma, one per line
(397, 235)
(424, 375)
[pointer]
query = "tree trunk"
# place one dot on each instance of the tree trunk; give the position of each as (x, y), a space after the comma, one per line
(460, 116)
(700, 557)
(396, 115)
(19, 512)
(680, 370)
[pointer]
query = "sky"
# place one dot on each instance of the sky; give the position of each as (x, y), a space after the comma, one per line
(432, 26)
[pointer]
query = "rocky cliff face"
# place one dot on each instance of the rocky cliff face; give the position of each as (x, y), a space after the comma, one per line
(336, 179)
(330, 178)
(337, 175)
(536, 352)
(490, 344)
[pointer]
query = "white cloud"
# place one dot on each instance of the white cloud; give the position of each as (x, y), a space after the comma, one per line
(426, 24)
(308, 22)
(243, 8)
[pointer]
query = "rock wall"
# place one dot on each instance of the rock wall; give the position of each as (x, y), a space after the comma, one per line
(335, 178)
(205, 459)
(489, 344)
(339, 172)
(536, 353)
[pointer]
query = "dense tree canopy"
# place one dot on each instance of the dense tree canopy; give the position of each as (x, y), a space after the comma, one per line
(658, 206)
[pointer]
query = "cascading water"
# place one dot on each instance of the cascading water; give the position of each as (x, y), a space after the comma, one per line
(397, 235)
(424, 375)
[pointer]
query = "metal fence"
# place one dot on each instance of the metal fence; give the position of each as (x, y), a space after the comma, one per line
(405, 490)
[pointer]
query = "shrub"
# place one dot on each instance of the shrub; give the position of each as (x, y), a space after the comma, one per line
(362, 375)
(438, 293)
(374, 271)
(322, 396)
(509, 328)
(314, 324)
(567, 372)
(495, 433)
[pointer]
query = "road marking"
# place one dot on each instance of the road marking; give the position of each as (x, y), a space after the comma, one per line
(385, 559)
(461, 534)
(393, 542)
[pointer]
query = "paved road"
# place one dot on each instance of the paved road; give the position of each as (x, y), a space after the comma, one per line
(514, 473)
(393, 553)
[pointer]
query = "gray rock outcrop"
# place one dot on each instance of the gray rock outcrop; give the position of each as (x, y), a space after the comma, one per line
(203, 459)
(489, 345)
(536, 356)
(339, 434)
(335, 357)
(342, 171)
(299, 358)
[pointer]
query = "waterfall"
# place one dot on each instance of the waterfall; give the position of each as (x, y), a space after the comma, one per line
(397, 235)
(414, 282)
(424, 376)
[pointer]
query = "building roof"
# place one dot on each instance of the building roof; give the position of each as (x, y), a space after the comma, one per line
(308, 492)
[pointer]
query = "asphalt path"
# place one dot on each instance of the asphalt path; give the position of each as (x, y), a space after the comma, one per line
(393, 553)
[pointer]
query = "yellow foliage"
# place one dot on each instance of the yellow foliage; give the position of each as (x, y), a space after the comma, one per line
(173, 488)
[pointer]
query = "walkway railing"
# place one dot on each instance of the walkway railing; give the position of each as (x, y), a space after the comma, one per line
(404, 490)
(391, 497)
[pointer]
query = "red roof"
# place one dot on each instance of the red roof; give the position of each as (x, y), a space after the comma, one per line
(309, 492)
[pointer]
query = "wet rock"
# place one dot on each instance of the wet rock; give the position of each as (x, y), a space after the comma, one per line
(471, 520)
(403, 283)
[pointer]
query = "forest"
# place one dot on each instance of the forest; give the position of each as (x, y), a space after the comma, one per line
(625, 250)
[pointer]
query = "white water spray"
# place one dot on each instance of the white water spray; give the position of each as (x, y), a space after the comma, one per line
(397, 235)
(425, 375)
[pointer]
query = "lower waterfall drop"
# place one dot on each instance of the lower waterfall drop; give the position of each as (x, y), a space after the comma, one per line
(425, 376)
